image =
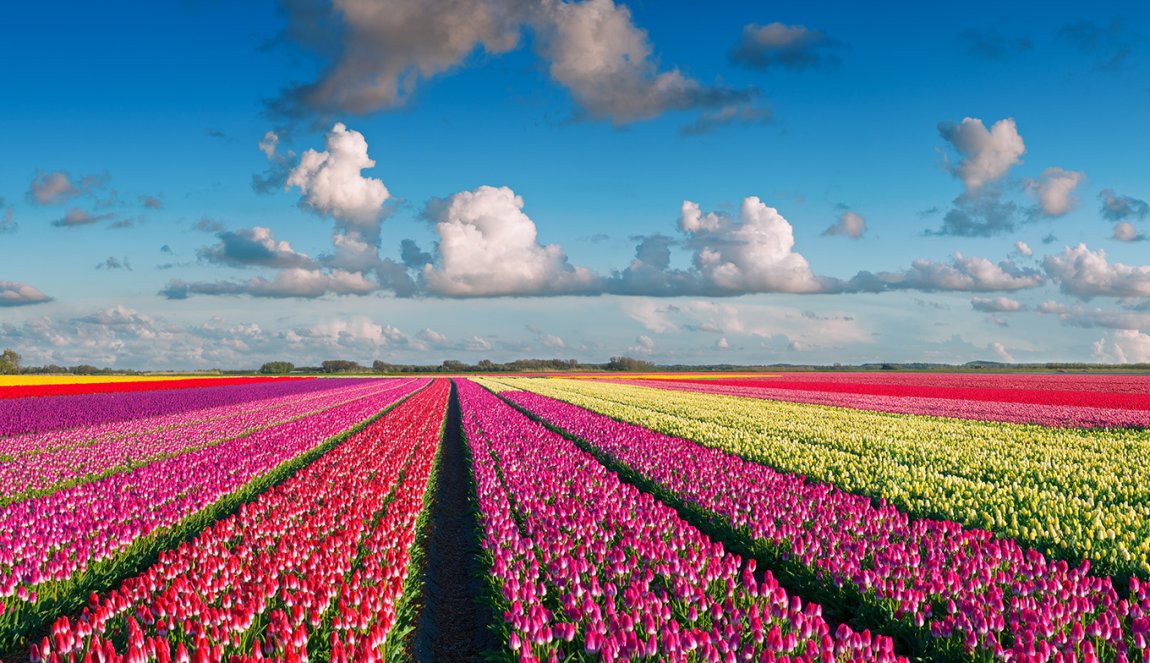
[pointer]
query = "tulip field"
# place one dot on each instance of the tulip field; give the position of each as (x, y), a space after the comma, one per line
(666, 517)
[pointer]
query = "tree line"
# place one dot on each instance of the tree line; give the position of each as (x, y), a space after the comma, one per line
(456, 366)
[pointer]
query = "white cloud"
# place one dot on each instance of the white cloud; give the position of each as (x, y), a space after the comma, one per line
(652, 314)
(249, 247)
(1023, 248)
(749, 320)
(269, 144)
(1116, 207)
(15, 293)
(384, 49)
(794, 47)
(332, 182)
(722, 344)
(353, 331)
(53, 187)
(488, 247)
(850, 224)
(433, 337)
(476, 344)
(963, 273)
(1127, 346)
(755, 254)
(1126, 232)
(598, 53)
(1054, 190)
(552, 341)
(1001, 353)
(1087, 318)
(644, 345)
(692, 219)
(996, 305)
(290, 282)
(1086, 274)
(7, 218)
(987, 155)
(547, 340)
(77, 217)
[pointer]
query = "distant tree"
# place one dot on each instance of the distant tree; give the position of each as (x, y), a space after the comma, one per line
(453, 366)
(277, 367)
(629, 364)
(485, 365)
(9, 362)
(85, 369)
(341, 366)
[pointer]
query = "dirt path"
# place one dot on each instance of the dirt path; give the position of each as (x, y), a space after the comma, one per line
(454, 624)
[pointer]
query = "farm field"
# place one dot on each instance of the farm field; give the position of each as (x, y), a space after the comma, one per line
(730, 517)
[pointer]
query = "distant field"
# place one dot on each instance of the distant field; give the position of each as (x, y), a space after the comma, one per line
(678, 517)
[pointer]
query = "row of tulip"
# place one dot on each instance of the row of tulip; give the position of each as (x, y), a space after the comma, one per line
(1057, 397)
(74, 456)
(60, 546)
(68, 388)
(1132, 383)
(584, 563)
(1069, 493)
(998, 598)
(37, 415)
(958, 408)
(315, 564)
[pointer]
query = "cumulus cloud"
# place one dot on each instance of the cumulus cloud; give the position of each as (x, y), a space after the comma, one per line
(1126, 232)
(850, 224)
(777, 45)
(356, 333)
(252, 247)
(433, 337)
(962, 273)
(644, 345)
(1001, 352)
(1117, 207)
(996, 305)
(332, 181)
(1023, 248)
(76, 217)
(1054, 190)
(488, 247)
(1087, 274)
(755, 254)
(985, 159)
(986, 155)
(15, 293)
(1128, 346)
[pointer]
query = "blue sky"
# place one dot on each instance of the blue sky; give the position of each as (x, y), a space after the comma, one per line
(188, 185)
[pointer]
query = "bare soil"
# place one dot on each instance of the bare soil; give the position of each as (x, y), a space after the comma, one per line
(456, 622)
